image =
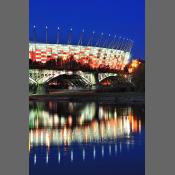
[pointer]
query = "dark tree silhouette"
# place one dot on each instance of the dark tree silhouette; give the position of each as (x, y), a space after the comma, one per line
(138, 78)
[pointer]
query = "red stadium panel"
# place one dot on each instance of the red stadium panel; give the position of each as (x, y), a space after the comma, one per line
(91, 57)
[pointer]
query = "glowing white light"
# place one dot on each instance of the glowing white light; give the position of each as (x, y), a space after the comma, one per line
(115, 114)
(36, 136)
(115, 148)
(128, 144)
(35, 159)
(47, 157)
(72, 156)
(59, 157)
(47, 139)
(50, 121)
(140, 126)
(84, 155)
(94, 153)
(41, 137)
(56, 120)
(31, 136)
(110, 150)
(102, 151)
(62, 120)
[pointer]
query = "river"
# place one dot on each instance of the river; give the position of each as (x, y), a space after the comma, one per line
(86, 138)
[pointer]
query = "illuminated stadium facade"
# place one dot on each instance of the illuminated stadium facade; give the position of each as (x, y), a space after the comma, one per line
(94, 57)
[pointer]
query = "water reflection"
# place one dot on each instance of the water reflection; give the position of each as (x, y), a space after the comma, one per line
(80, 130)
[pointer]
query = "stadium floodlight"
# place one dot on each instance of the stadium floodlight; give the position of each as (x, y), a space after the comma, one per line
(34, 33)
(70, 37)
(91, 39)
(99, 41)
(58, 29)
(119, 43)
(81, 38)
(112, 42)
(123, 43)
(131, 44)
(126, 45)
(46, 35)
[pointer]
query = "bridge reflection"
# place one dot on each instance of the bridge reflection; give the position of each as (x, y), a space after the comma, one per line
(93, 132)
(89, 128)
(84, 154)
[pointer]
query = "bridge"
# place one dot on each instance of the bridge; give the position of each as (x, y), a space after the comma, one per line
(37, 76)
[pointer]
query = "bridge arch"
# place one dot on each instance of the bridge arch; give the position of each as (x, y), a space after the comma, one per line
(68, 81)
(32, 81)
(43, 76)
(103, 76)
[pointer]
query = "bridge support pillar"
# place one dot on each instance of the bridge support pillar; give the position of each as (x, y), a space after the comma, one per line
(96, 78)
(41, 89)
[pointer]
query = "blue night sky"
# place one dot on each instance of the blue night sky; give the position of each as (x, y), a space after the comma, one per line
(125, 18)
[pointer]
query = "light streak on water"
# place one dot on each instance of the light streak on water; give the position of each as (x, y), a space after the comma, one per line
(59, 157)
(102, 151)
(47, 157)
(94, 153)
(109, 149)
(72, 156)
(120, 147)
(115, 148)
(84, 154)
(128, 145)
(35, 159)
(101, 132)
(41, 137)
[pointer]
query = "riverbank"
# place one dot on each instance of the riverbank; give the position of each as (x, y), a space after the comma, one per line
(84, 96)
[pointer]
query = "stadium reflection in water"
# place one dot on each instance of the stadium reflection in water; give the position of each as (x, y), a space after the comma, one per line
(67, 133)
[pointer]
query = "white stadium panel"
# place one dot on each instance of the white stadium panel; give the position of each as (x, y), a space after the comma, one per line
(78, 52)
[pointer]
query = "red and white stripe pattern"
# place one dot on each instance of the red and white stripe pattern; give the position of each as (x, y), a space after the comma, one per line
(54, 56)
(49, 51)
(83, 55)
(38, 55)
(43, 57)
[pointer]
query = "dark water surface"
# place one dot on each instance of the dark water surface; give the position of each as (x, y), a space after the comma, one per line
(86, 138)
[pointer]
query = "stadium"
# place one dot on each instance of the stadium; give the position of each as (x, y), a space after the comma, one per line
(93, 57)
(105, 54)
